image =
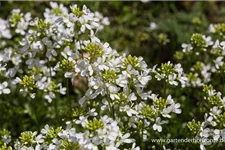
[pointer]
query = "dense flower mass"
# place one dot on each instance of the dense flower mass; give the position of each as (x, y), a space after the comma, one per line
(64, 45)
(61, 69)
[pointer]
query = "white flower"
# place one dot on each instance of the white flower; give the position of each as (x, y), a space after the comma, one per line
(134, 147)
(50, 96)
(124, 139)
(132, 97)
(218, 62)
(208, 40)
(122, 80)
(172, 78)
(176, 108)
(4, 89)
(2, 67)
(82, 120)
(206, 132)
(202, 147)
(215, 111)
(211, 28)
(209, 120)
(144, 78)
(153, 25)
(187, 47)
(4, 29)
(216, 134)
(223, 133)
(164, 148)
(130, 111)
(157, 126)
(165, 112)
(84, 68)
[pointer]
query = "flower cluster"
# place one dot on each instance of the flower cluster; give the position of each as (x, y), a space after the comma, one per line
(202, 69)
(98, 133)
(98, 97)
(201, 74)
(212, 127)
(171, 74)
(45, 62)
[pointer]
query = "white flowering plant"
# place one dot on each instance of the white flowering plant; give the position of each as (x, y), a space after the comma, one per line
(66, 89)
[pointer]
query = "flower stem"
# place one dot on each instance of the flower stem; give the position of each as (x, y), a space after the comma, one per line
(34, 105)
(56, 108)
(142, 134)
(111, 108)
(164, 88)
(68, 96)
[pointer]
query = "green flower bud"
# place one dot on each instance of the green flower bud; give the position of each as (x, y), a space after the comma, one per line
(66, 145)
(77, 12)
(52, 133)
(194, 126)
(221, 120)
(163, 38)
(206, 88)
(220, 29)
(95, 50)
(147, 112)
(198, 66)
(57, 11)
(36, 70)
(133, 61)
(198, 41)
(53, 86)
(94, 125)
(217, 52)
(15, 18)
(143, 37)
(28, 82)
(43, 25)
(160, 103)
(110, 76)
(196, 21)
(178, 55)
(67, 65)
(223, 67)
(77, 112)
(123, 98)
(192, 77)
(27, 138)
(215, 100)
(4, 132)
(5, 147)
(166, 68)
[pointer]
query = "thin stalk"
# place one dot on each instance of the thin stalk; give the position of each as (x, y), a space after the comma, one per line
(55, 100)
(111, 108)
(223, 86)
(50, 68)
(164, 88)
(68, 96)
(56, 108)
(142, 134)
(34, 105)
